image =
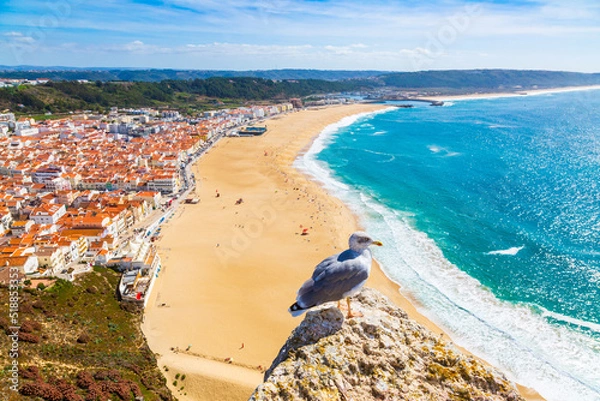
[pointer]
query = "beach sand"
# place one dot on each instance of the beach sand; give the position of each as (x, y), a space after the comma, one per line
(218, 311)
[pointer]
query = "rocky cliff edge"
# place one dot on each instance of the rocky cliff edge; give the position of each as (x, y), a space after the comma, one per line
(383, 355)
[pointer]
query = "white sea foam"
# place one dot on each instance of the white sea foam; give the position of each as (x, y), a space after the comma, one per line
(448, 104)
(308, 162)
(443, 151)
(555, 360)
(575, 322)
(389, 157)
(510, 251)
(379, 133)
(435, 148)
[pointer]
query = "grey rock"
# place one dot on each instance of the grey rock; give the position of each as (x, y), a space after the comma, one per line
(381, 356)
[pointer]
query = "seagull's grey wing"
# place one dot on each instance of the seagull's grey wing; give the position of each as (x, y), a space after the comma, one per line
(332, 261)
(332, 279)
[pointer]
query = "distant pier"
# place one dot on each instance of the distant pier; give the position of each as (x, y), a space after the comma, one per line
(432, 102)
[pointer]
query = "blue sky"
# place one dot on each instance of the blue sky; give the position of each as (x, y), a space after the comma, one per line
(321, 34)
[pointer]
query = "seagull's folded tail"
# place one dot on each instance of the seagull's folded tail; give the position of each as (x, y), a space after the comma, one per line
(296, 310)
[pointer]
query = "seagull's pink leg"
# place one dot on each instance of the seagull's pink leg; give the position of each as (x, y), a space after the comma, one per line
(350, 314)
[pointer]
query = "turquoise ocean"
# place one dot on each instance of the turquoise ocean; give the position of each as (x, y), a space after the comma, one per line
(489, 210)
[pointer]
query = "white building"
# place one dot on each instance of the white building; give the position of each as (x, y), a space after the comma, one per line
(167, 183)
(57, 184)
(47, 214)
(27, 131)
(42, 175)
(27, 264)
(170, 114)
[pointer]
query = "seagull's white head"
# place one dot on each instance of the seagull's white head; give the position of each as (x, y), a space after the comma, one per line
(359, 241)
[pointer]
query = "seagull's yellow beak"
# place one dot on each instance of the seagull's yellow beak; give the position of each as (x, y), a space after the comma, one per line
(378, 243)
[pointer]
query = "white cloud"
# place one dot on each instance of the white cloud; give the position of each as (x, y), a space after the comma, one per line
(314, 34)
(215, 48)
(245, 49)
(419, 51)
(136, 45)
(573, 10)
(18, 37)
(339, 50)
(357, 52)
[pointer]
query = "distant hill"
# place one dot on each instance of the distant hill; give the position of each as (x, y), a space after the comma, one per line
(462, 80)
(157, 75)
(487, 80)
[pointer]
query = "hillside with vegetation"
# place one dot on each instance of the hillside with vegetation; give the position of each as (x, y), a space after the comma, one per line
(77, 343)
(487, 80)
(197, 94)
(193, 95)
(455, 79)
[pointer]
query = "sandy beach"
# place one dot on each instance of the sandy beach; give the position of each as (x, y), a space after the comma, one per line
(218, 312)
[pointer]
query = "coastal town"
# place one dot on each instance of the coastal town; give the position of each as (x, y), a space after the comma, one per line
(299, 200)
(93, 190)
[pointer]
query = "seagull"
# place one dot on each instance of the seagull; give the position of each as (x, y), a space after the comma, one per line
(339, 276)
